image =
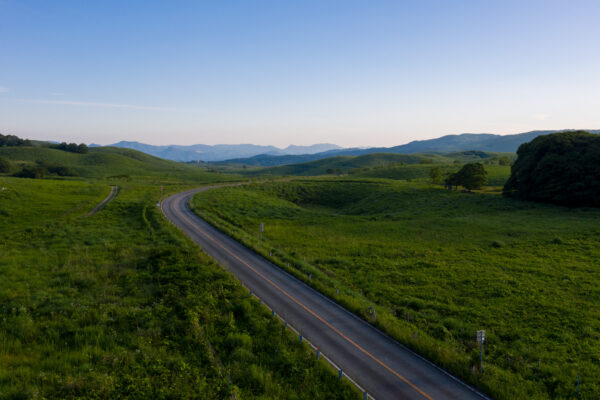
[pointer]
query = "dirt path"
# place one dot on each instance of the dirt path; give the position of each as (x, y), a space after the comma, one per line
(114, 190)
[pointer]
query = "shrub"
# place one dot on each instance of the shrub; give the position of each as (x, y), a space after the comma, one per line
(4, 165)
(34, 172)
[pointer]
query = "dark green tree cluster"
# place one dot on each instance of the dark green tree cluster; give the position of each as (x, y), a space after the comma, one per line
(470, 176)
(4, 165)
(32, 171)
(71, 147)
(42, 169)
(12, 140)
(560, 168)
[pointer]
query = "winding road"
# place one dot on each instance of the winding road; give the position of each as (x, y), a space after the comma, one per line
(382, 366)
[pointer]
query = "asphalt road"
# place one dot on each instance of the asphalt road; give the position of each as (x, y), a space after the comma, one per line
(382, 366)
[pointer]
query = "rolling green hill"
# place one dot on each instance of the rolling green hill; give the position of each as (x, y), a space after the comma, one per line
(105, 162)
(346, 163)
(393, 166)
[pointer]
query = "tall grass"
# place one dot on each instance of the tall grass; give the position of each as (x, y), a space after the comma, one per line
(121, 304)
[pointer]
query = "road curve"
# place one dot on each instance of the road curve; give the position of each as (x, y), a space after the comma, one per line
(382, 366)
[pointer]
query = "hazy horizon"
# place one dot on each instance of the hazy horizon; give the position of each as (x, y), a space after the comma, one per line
(319, 143)
(272, 73)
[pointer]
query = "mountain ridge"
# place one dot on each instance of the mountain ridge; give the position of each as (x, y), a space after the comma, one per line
(261, 155)
(444, 144)
(219, 152)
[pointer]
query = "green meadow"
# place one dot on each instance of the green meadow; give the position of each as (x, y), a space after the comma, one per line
(121, 304)
(437, 266)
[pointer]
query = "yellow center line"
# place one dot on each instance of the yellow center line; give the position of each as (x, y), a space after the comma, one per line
(190, 223)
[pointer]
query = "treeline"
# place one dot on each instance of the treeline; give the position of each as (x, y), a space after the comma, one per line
(12, 141)
(71, 147)
(42, 169)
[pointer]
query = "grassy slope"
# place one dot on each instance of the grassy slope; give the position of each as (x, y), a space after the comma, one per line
(375, 161)
(443, 265)
(497, 175)
(122, 305)
(106, 162)
(344, 163)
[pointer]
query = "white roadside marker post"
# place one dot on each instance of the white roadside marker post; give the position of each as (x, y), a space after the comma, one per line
(480, 340)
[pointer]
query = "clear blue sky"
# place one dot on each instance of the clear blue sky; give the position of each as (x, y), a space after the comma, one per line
(354, 73)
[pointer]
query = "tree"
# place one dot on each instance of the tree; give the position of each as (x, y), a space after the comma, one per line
(560, 168)
(4, 165)
(82, 148)
(504, 161)
(436, 175)
(470, 176)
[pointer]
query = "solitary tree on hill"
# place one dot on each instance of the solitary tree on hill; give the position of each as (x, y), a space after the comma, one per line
(470, 176)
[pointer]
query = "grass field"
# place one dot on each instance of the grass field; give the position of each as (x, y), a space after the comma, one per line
(438, 266)
(496, 174)
(122, 305)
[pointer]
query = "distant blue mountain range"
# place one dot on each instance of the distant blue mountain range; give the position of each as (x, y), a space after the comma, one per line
(220, 152)
(444, 144)
(250, 154)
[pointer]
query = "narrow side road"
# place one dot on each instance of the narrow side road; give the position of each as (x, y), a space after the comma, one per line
(385, 368)
(114, 190)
